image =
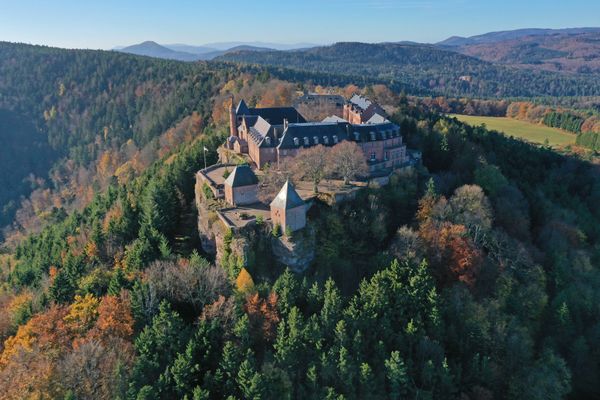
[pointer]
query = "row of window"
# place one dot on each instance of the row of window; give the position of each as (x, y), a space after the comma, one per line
(306, 140)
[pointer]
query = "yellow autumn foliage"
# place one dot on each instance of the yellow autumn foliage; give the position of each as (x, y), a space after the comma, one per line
(244, 282)
(82, 313)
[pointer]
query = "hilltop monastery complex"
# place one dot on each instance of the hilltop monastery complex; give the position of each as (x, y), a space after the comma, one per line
(268, 135)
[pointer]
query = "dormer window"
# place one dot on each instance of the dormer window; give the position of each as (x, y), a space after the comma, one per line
(268, 141)
(325, 139)
(316, 139)
(296, 141)
(335, 139)
(306, 141)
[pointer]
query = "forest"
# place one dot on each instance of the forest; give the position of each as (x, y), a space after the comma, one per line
(75, 107)
(474, 276)
(423, 70)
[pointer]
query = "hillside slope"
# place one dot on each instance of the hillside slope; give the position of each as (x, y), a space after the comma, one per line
(563, 52)
(430, 70)
(489, 291)
(82, 103)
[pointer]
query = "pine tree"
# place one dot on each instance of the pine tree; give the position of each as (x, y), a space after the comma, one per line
(250, 382)
(157, 346)
(118, 282)
(62, 289)
(397, 379)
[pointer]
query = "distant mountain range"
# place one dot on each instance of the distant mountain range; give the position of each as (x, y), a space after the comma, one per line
(494, 37)
(184, 52)
(575, 50)
(424, 69)
(484, 65)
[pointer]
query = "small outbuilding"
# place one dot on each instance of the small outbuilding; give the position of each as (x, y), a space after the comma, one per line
(288, 210)
(241, 186)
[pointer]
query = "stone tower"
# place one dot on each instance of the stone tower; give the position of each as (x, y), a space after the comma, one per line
(232, 119)
(288, 210)
(241, 186)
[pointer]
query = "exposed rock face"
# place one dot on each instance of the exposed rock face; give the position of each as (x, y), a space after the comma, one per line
(208, 224)
(298, 253)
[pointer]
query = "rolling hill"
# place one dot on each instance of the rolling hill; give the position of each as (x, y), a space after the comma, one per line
(66, 107)
(427, 69)
(153, 49)
(572, 52)
(184, 52)
(494, 37)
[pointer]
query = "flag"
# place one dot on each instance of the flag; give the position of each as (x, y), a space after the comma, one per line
(205, 149)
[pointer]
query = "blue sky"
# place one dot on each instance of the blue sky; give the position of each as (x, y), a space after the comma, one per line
(103, 24)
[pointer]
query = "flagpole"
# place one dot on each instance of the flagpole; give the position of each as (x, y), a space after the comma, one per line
(204, 152)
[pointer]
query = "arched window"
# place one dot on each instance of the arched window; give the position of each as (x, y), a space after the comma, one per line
(372, 136)
(296, 141)
(325, 139)
(316, 139)
(306, 141)
(335, 139)
(357, 136)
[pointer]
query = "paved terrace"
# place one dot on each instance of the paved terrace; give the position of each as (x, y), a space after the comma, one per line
(329, 191)
(213, 177)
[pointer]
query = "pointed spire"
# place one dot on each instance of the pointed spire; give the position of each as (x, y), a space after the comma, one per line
(242, 108)
(287, 197)
(242, 175)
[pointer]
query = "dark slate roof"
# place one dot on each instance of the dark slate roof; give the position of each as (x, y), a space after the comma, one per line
(343, 131)
(250, 119)
(382, 131)
(242, 108)
(320, 130)
(276, 115)
(332, 98)
(242, 175)
(287, 198)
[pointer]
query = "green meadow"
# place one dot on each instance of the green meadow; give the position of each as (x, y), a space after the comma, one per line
(521, 129)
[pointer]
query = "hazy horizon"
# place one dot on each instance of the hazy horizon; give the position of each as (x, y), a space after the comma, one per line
(106, 25)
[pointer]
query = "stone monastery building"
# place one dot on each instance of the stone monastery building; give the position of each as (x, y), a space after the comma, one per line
(269, 134)
(287, 209)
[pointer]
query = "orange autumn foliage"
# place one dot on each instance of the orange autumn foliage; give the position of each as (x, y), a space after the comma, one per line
(44, 331)
(464, 259)
(263, 316)
(114, 319)
(451, 249)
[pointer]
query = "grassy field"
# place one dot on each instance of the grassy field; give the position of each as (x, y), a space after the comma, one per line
(521, 129)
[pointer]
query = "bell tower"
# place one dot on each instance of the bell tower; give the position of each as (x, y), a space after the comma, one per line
(232, 119)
